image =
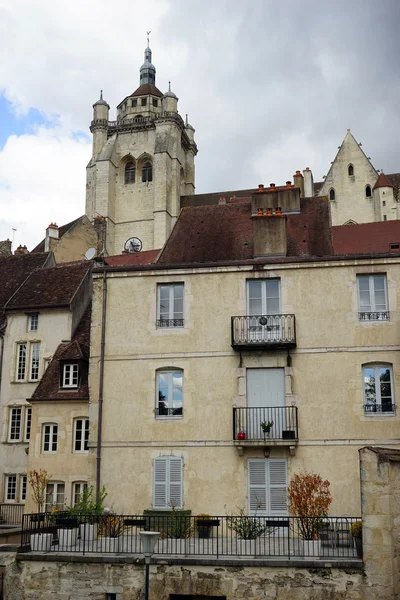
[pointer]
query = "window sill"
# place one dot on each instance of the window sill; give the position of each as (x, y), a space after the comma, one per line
(376, 415)
(169, 418)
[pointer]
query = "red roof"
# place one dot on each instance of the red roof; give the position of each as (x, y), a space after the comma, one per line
(15, 269)
(138, 258)
(147, 88)
(382, 181)
(366, 238)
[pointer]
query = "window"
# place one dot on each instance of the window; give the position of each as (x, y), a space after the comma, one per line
(147, 172)
(15, 424)
(34, 368)
(385, 217)
(155, 102)
(170, 305)
(351, 170)
(11, 488)
(378, 390)
(71, 375)
(111, 596)
(55, 496)
(169, 393)
(77, 490)
(383, 202)
(372, 298)
(50, 435)
(263, 299)
(33, 322)
(21, 362)
(144, 101)
(268, 484)
(331, 194)
(134, 103)
(28, 422)
(368, 191)
(168, 482)
(130, 172)
(23, 481)
(81, 435)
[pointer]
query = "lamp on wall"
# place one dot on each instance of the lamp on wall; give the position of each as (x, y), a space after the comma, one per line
(149, 540)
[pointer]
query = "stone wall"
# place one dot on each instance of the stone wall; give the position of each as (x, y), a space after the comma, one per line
(87, 580)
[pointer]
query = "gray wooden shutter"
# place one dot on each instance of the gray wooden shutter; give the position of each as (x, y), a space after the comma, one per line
(175, 482)
(257, 486)
(160, 482)
(277, 475)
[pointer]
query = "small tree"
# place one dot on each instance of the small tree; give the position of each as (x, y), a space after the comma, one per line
(38, 480)
(309, 500)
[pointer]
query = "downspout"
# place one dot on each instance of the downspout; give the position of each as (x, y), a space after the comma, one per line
(2, 331)
(101, 387)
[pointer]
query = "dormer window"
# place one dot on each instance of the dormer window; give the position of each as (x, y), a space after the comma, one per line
(350, 170)
(70, 376)
(147, 172)
(130, 172)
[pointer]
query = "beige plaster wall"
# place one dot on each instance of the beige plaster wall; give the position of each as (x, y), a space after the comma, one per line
(73, 245)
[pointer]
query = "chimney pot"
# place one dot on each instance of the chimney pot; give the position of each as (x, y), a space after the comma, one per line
(260, 187)
(279, 212)
(272, 185)
(288, 184)
(269, 212)
(259, 212)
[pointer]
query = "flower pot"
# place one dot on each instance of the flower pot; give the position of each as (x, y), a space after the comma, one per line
(88, 531)
(41, 542)
(307, 548)
(204, 532)
(246, 547)
(175, 545)
(359, 547)
(110, 544)
(67, 538)
(241, 435)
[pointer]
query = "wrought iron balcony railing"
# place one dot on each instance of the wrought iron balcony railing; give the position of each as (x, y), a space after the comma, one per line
(259, 331)
(281, 422)
(167, 323)
(374, 316)
(11, 514)
(379, 408)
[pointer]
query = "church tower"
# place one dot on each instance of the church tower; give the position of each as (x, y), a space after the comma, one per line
(141, 164)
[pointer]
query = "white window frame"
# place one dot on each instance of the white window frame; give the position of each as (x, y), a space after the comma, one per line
(34, 362)
(368, 411)
(373, 314)
(21, 362)
(167, 482)
(28, 423)
(50, 505)
(169, 373)
(6, 490)
(53, 433)
(85, 435)
(33, 322)
(78, 485)
(269, 485)
(23, 488)
(174, 319)
(264, 297)
(16, 410)
(70, 375)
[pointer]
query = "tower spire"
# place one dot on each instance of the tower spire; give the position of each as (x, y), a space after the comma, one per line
(147, 70)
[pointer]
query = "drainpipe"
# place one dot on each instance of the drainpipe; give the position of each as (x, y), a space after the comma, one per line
(2, 332)
(101, 386)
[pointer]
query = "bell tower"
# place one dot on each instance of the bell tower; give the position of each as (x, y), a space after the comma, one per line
(141, 164)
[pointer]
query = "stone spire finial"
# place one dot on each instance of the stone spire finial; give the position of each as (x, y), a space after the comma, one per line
(101, 101)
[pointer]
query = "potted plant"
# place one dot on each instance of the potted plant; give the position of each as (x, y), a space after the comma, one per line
(203, 525)
(356, 533)
(88, 511)
(248, 529)
(266, 426)
(176, 528)
(241, 435)
(67, 527)
(111, 527)
(309, 501)
(42, 539)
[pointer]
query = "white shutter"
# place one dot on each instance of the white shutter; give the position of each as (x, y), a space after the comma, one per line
(277, 475)
(175, 482)
(160, 483)
(257, 486)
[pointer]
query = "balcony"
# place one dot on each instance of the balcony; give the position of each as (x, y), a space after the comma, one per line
(283, 427)
(263, 332)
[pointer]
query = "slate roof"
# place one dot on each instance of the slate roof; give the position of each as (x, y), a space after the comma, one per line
(213, 197)
(53, 287)
(61, 232)
(77, 349)
(138, 258)
(15, 269)
(218, 233)
(366, 238)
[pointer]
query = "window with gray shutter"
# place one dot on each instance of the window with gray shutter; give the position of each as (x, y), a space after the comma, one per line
(168, 482)
(267, 486)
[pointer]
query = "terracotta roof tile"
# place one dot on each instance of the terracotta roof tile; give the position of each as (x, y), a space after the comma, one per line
(382, 181)
(15, 269)
(147, 88)
(366, 238)
(138, 258)
(395, 179)
(50, 287)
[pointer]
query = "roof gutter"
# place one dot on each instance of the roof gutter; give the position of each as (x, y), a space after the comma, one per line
(101, 387)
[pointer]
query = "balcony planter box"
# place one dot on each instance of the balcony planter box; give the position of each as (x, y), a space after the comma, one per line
(41, 542)
(247, 547)
(307, 548)
(110, 544)
(288, 434)
(67, 537)
(88, 531)
(176, 545)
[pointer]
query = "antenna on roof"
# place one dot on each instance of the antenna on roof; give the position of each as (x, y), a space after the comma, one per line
(90, 253)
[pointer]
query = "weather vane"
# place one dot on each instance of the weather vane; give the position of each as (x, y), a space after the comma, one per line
(148, 39)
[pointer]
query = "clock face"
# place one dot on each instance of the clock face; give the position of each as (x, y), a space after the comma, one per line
(133, 244)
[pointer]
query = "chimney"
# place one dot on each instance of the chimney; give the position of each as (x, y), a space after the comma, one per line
(308, 183)
(299, 182)
(5, 248)
(21, 250)
(51, 237)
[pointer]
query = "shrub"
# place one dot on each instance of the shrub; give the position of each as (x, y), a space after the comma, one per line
(245, 527)
(309, 500)
(356, 529)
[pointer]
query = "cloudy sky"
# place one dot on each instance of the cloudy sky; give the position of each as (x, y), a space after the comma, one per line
(270, 87)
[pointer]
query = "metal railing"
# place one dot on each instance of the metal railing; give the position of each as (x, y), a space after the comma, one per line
(379, 408)
(220, 536)
(282, 420)
(166, 323)
(263, 330)
(374, 316)
(11, 514)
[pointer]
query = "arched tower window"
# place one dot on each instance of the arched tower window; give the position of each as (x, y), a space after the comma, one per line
(331, 194)
(130, 172)
(368, 191)
(147, 172)
(350, 170)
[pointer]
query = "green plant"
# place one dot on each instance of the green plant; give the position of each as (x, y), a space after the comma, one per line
(246, 527)
(87, 504)
(266, 426)
(202, 517)
(356, 529)
(309, 500)
(111, 525)
(177, 524)
(38, 480)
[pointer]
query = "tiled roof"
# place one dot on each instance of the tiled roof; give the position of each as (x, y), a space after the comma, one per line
(395, 179)
(15, 269)
(61, 231)
(382, 181)
(138, 258)
(218, 233)
(213, 197)
(146, 89)
(317, 186)
(50, 287)
(77, 349)
(366, 238)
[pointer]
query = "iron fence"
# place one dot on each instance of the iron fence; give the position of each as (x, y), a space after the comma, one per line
(11, 514)
(374, 316)
(281, 422)
(263, 331)
(183, 535)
